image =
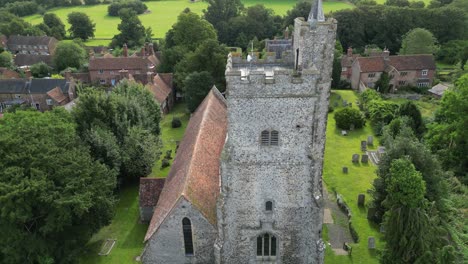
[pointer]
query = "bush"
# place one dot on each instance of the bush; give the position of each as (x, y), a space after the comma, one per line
(40, 70)
(176, 122)
(345, 117)
(137, 6)
(168, 155)
(330, 109)
(22, 8)
(165, 163)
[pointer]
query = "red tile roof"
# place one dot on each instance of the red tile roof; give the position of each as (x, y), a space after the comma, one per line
(347, 61)
(413, 62)
(150, 189)
(57, 95)
(195, 172)
(118, 63)
(371, 64)
(160, 88)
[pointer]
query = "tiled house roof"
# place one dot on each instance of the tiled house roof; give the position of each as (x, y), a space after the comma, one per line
(29, 40)
(45, 85)
(31, 59)
(12, 86)
(194, 174)
(150, 189)
(347, 61)
(57, 95)
(118, 63)
(160, 88)
(371, 64)
(8, 74)
(413, 62)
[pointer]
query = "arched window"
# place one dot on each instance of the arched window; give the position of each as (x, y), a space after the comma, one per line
(269, 138)
(266, 246)
(188, 242)
(269, 206)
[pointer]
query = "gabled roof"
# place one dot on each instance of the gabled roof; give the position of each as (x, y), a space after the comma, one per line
(45, 85)
(371, 64)
(150, 190)
(347, 61)
(160, 88)
(194, 174)
(118, 63)
(57, 95)
(413, 62)
(29, 40)
(12, 86)
(31, 59)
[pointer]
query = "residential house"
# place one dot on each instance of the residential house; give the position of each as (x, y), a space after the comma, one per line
(404, 70)
(29, 50)
(346, 64)
(163, 91)
(43, 94)
(108, 70)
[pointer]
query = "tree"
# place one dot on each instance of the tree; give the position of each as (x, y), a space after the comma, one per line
(92, 2)
(401, 3)
(53, 195)
(69, 54)
(114, 8)
(81, 26)
(191, 30)
(53, 22)
(141, 151)
(23, 8)
(6, 59)
(219, 12)
(383, 84)
(418, 41)
(411, 110)
(301, 9)
(132, 31)
(336, 72)
(447, 135)
(198, 85)
(40, 70)
(347, 117)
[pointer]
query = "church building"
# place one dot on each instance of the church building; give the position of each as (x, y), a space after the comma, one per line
(246, 183)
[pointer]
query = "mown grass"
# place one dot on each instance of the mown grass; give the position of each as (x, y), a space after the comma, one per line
(338, 152)
(163, 15)
(169, 136)
(125, 228)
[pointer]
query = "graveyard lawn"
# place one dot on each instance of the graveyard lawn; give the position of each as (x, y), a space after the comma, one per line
(169, 136)
(338, 153)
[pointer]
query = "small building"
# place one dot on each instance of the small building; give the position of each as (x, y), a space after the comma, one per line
(163, 91)
(34, 45)
(404, 70)
(438, 90)
(183, 228)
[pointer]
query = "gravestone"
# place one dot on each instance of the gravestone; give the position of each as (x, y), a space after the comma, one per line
(363, 145)
(355, 158)
(370, 213)
(365, 158)
(344, 132)
(345, 103)
(371, 242)
(361, 199)
(345, 169)
(351, 127)
(382, 229)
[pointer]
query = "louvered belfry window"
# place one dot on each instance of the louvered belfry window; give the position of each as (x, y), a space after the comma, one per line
(269, 138)
(266, 246)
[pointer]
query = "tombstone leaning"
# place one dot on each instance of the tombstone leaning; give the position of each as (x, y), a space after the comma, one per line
(370, 140)
(363, 145)
(355, 158)
(371, 242)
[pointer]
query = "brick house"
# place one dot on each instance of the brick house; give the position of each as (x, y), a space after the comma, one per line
(108, 70)
(163, 91)
(404, 70)
(43, 94)
(29, 50)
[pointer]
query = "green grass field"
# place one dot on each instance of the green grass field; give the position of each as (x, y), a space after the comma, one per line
(163, 15)
(338, 152)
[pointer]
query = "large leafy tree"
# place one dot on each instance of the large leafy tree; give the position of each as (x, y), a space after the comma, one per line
(219, 12)
(448, 136)
(418, 41)
(200, 84)
(121, 128)
(53, 194)
(6, 59)
(81, 26)
(132, 31)
(55, 25)
(69, 54)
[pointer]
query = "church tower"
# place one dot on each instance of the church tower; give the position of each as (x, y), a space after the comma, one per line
(270, 206)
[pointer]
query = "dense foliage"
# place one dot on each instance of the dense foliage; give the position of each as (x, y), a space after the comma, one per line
(22, 8)
(114, 8)
(418, 41)
(53, 26)
(69, 55)
(132, 31)
(347, 117)
(53, 195)
(40, 70)
(198, 86)
(6, 59)
(13, 25)
(81, 26)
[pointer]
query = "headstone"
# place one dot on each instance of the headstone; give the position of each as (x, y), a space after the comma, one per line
(351, 127)
(382, 229)
(345, 169)
(361, 199)
(363, 145)
(370, 213)
(345, 103)
(371, 243)
(355, 158)
(344, 132)
(370, 140)
(365, 158)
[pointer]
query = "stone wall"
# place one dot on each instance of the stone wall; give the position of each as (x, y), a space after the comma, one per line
(167, 243)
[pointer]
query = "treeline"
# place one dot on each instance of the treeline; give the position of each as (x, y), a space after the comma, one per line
(26, 8)
(135, 5)
(384, 26)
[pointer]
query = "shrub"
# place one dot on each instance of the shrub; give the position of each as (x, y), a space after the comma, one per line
(165, 163)
(40, 70)
(345, 117)
(168, 155)
(22, 8)
(176, 122)
(330, 109)
(137, 6)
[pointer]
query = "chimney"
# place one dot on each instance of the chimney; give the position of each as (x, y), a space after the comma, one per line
(286, 33)
(27, 73)
(147, 53)
(386, 54)
(143, 52)
(350, 52)
(151, 49)
(125, 50)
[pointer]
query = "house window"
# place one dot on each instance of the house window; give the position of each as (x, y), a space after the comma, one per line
(424, 72)
(266, 247)
(188, 242)
(269, 138)
(269, 206)
(344, 69)
(49, 101)
(423, 84)
(38, 107)
(371, 75)
(401, 83)
(403, 73)
(101, 71)
(102, 81)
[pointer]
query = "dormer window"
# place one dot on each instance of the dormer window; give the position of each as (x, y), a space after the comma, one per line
(269, 138)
